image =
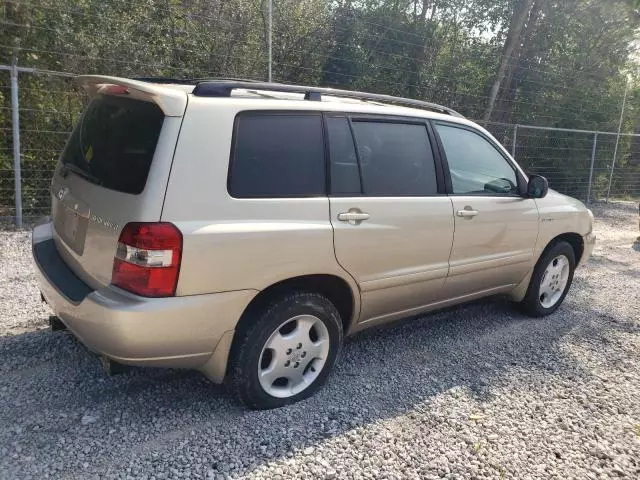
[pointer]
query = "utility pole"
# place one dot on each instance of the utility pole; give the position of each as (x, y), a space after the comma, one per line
(615, 150)
(269, 33)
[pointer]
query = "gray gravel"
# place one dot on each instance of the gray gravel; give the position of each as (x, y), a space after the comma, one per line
(478, 391)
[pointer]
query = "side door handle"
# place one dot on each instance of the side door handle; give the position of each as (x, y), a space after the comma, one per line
(467, 213)
(354, 216)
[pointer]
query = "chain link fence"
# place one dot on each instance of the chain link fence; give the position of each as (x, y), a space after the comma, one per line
(48, 105)
(583, 164)
(578, 163)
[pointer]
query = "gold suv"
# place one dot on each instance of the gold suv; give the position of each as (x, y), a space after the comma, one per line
(244, 229)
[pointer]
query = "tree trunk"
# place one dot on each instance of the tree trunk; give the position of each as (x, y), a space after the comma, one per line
(418, 53)
(520, 14)
(503, 106)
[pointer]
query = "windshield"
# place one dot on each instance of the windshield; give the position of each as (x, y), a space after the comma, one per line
(114, 142)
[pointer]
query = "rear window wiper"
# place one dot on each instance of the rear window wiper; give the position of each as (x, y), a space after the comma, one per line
(70, 167)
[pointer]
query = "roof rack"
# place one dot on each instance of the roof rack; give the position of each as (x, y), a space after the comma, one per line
(223, 88)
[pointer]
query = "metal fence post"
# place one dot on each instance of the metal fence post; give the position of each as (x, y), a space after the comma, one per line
(613, 164)
(515, 136)
(15, 123)
(270, 36)
(615, 150)
(593, 158)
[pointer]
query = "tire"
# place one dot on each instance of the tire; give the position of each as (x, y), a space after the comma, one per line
(546, 293)
(298, 336)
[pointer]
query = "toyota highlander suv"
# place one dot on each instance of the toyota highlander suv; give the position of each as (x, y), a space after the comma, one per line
(243, 229)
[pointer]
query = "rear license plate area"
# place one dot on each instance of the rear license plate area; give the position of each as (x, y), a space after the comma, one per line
(71, 219)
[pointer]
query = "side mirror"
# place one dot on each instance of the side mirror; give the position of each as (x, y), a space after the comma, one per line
(500, 186)
(537, 186)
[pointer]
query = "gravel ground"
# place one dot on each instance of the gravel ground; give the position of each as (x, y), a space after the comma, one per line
(478, 391)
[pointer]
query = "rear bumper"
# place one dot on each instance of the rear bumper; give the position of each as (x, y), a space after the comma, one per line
(164, 332)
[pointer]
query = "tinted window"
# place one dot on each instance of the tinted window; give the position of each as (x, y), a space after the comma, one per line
(114, 142)
(277, 156)
(345, 176)
(475, 165)
(395, 158)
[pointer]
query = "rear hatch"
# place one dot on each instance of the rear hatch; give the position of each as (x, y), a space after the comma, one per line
(113, 170)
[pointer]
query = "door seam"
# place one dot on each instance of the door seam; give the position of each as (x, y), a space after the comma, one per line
(453, 238)
(356, 316)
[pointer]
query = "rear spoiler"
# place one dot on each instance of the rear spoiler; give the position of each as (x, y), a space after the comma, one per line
(172, 101)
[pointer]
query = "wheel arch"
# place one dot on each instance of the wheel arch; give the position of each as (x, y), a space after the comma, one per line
(335, 288)
(574, 239)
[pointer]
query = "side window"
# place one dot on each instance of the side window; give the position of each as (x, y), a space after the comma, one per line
(345, 175)
(277, 155)
(395, 159)
(475, 165)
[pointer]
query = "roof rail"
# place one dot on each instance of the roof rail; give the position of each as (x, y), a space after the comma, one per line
(223, 88)
(191, 81)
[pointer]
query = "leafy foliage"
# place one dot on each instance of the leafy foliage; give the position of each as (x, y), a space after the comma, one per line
(561, 63)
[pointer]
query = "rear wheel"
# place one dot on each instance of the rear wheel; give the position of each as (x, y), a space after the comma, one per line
(286, 353)
(550, 281)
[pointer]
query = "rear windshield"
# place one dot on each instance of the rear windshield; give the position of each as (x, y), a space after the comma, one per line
(114, 142)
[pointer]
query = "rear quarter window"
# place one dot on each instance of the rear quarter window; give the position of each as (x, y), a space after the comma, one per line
(277, 155)
(114, 142)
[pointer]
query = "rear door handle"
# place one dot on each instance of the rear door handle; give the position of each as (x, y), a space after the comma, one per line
(354, 216)
(467, 213)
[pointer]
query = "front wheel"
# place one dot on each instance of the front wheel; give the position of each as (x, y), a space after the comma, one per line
(550, 281)
(286, 353)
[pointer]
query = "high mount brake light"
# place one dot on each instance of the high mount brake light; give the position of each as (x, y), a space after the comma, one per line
(116, 90)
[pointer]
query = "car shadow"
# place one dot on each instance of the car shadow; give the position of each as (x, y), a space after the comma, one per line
(52, 388)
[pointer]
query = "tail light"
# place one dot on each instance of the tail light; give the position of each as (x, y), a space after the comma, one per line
(147, 260)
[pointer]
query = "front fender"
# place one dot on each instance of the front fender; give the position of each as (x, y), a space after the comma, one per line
(560, 214)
